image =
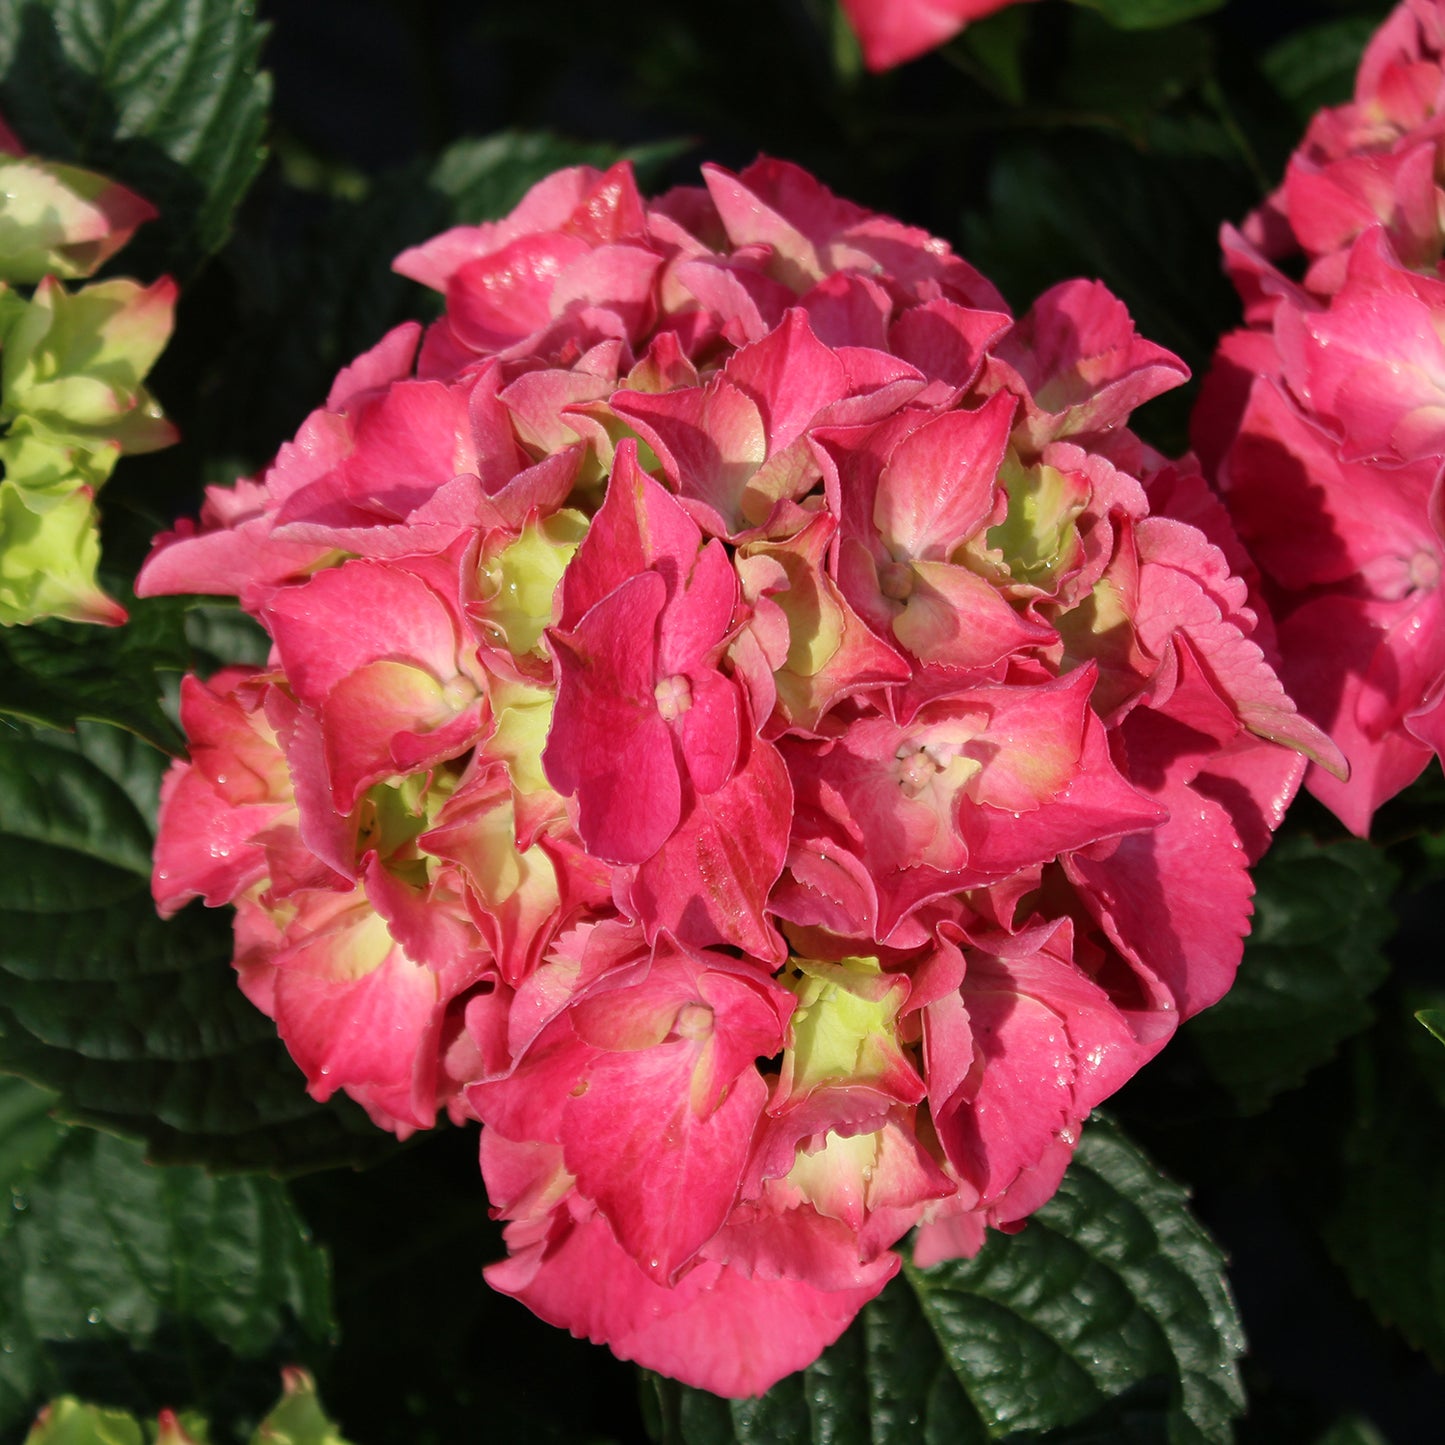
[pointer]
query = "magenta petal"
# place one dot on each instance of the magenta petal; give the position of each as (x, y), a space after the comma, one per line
(954, 618)
(609, 745)
(1024, 1095)
(711, 731)
(938, 485)
(386, 718)
(710, 881)
(205, 845)
(664, 1175)
(715, 1329)
(1329, 646)
(712, 440)
(639, 527)
(354, 614)
(1177, 898)
(790, 375)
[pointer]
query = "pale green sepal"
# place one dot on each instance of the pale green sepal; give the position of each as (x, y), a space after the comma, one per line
(842, 1030)
(298, 1419)
(1434, 1020)
(519, 585)
(67, 1422)
(75, 362)
(35, 458)
(60, 220)
(49, 550)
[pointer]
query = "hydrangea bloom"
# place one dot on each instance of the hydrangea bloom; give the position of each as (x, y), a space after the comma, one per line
(892, 31)
(1324, 419)
(748, 722)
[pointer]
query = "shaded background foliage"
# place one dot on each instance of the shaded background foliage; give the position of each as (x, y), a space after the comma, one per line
(1305, 1113)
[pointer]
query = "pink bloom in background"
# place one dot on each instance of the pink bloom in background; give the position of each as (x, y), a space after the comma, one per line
(1323, 422)
(747, 722)
(892, 31)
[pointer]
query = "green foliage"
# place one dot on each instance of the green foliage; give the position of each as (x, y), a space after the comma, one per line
(122, 1277)
(163, 95)
(1314, 956)
(137, 1022)
(1108, 1313)
(1434, 1020)
(57, 673)
(1387, 1230)
(484, 178)
(1354, 1431)
(1149, 14)
(1315, 66)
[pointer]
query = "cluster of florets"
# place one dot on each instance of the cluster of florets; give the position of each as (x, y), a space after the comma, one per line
(1324, 419)
(72, 368)
(748, 723)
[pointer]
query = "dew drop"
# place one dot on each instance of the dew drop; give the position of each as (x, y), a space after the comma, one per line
(94, 1316)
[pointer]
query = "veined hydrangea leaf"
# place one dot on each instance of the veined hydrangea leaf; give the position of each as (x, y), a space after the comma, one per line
(1387, 1229)
(142, 1283)
(1108, 1318)
(58, 672)
(137, 1023)
(29, 1135)
(1314, 957)
(163, 95)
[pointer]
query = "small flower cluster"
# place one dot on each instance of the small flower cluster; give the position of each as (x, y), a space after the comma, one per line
(749, 723)
(1323, 420)
(71, 393)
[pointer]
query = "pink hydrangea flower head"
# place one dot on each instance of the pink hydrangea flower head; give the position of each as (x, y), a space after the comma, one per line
(746, 722)
(1323, 422)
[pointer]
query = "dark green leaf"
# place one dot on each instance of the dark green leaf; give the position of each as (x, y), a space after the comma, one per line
(1387, 1231)
(484, 178)
(1434, 1020)
(128, 1280)
(221, 635)
(1149, 14)
(1354, 1431)
(1322, 917)
(995, 51)
(161, 94)
(136, 1022)
(56, 673)
(1126, 77)
(28, 1137)
(1141, 219)
(1107, 1319)
(1315, 66)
